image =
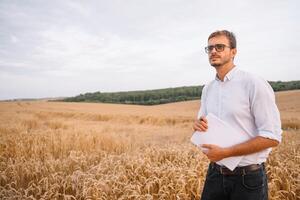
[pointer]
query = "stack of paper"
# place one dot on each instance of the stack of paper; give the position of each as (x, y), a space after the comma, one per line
(222, 134)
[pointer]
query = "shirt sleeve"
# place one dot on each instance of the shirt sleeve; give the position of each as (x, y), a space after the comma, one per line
(265, 111)
(202, 111)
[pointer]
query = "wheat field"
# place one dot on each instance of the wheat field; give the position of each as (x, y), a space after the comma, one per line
(55, 150)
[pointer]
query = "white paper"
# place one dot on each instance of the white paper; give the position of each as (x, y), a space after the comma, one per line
(222, 134)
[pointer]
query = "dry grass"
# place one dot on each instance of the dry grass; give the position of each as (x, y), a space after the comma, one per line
(103, 151)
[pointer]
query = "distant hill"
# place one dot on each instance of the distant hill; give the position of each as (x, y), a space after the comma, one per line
(161, 96)
(143, 97)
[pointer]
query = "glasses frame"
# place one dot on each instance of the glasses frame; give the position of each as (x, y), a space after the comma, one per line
(217, 47)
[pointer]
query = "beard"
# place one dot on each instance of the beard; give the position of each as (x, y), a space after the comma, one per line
(219, 63)
(216, 64)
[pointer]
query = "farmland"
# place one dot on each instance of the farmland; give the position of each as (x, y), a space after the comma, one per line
(58, 150)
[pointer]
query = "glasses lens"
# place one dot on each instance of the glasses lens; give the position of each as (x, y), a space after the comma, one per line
(209, 48)
(206, 49)
(219, 47)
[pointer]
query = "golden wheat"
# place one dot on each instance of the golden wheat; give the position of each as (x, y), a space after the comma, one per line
(100, 151)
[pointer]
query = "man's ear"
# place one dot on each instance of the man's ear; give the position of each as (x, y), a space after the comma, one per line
(233, 51)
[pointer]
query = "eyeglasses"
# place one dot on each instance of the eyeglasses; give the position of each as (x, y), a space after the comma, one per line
(217, 47)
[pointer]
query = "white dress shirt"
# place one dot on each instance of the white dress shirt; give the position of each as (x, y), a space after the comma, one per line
(247, 103)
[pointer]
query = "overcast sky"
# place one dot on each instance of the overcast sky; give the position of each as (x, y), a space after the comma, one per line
(64, 48)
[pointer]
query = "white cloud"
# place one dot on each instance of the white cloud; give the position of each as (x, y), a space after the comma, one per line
(14, 39)
(116, 45)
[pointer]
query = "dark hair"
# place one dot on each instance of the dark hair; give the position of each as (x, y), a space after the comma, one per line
(229, 35)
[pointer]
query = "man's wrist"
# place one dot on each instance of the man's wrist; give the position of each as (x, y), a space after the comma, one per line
(227, 152)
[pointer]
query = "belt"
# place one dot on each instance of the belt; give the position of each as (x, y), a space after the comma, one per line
(238, 170)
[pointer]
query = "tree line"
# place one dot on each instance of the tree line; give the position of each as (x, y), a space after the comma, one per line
(161, 96)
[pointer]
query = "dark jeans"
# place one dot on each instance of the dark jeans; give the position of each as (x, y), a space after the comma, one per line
(251, 186)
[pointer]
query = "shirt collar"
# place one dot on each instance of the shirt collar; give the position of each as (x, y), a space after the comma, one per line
(229, 74)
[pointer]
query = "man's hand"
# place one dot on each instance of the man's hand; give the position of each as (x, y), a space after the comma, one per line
(200, 124)
(214, 153)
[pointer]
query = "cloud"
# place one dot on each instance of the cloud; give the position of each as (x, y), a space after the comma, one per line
(117, 45)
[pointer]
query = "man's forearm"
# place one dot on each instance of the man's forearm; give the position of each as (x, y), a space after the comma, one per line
(251, 146)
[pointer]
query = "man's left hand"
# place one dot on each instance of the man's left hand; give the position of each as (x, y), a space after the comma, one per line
(214, 153)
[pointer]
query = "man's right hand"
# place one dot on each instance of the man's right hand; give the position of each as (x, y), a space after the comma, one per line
(200, 124)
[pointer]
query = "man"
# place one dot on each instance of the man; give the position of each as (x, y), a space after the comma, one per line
(247, 103)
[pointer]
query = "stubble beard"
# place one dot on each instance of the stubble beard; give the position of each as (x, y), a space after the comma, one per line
(217, 65)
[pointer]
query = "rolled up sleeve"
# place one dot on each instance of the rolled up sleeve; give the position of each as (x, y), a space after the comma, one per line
(202, 111)
(265, 111)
